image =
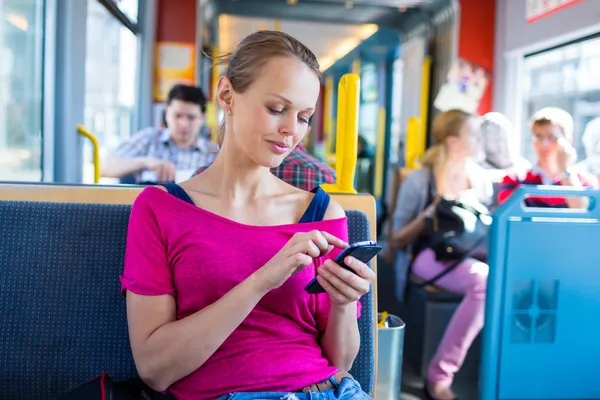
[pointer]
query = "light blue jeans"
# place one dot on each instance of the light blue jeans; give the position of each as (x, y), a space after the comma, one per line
(348, 389)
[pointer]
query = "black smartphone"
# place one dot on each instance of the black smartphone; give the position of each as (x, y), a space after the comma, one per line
(363, 251)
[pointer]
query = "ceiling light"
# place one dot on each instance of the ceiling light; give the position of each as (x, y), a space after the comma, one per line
(292, 2)
(325, 63)
(18, 21)
(347, 46)
(367, 31)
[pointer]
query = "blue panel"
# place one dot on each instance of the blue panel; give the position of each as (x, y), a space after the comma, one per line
(543, 304)
(551, 298)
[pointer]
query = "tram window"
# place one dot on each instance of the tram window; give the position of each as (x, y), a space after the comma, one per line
(563, 77)
(111, 68)
(21, 69)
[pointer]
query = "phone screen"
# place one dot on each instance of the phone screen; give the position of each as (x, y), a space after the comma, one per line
(363, 251)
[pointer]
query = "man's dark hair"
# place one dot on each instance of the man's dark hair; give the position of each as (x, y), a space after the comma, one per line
(187, 94)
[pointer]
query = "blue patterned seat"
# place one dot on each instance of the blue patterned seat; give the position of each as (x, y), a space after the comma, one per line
(62, 318)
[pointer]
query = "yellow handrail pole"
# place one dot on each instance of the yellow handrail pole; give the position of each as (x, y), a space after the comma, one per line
(380, 153)
(96, 146)
(424, 107)
(327, 97)
(347, 135)
(413, 143)
(356, 67)
(212, 110)
(416, 132)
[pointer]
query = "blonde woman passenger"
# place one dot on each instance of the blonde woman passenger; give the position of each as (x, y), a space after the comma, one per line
(451, 172)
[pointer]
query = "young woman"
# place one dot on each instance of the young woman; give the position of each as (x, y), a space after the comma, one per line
(552, 131)
(215, 269)
(449, 172)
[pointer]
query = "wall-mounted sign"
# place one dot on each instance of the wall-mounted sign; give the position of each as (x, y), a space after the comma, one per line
(464, 87)
(175, 63)
(536, 9)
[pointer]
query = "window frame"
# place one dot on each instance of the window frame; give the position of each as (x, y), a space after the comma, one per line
(112, 7)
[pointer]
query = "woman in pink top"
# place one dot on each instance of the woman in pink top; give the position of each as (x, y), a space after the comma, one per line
(214, 276)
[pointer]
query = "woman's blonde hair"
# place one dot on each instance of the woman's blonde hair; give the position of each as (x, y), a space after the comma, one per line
(445, 125)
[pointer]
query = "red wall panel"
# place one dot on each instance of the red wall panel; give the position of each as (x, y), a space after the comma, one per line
(476, 40)
(176, 21)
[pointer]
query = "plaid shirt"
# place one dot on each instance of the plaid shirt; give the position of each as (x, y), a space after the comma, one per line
(156, 143)
(300, 169)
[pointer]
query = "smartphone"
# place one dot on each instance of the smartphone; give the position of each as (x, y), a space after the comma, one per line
(363, 251)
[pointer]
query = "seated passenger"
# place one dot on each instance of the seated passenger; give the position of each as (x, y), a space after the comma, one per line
(552, 130)
(499, 158)
(300, 169)
(166, 154)
(448, 172)
(215, 269)
(591, 143)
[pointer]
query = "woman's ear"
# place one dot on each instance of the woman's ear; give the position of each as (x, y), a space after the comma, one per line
(225, 93)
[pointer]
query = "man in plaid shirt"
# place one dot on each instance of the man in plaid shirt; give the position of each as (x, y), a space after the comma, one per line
(300, 169)
(170, 154)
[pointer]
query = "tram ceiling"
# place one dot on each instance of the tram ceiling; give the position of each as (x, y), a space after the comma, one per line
(393, 13)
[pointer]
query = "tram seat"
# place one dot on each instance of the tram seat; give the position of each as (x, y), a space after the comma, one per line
(427, 313)
(62, 319)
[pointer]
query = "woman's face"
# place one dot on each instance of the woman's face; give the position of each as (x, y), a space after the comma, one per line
(271, 117)
(467, 143)
(496, 145)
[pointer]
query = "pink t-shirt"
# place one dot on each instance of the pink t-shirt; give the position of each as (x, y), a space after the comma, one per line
(176, 248)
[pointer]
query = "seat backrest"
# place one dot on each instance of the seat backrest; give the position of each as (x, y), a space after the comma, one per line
(62, 317)
(364, 365)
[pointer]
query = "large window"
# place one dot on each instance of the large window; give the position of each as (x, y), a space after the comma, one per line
(565, 77)
(21, 66)
(111, 68)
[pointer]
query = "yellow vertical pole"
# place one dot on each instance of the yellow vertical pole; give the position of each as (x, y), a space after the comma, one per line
(347, 134)
(277, 25)
(380, 153)
(412, 148)
(416, 132)
(424, 107)
(327, 111)
(356, 67)
(212, 110)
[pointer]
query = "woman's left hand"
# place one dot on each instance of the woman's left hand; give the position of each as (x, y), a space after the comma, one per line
(343, 286)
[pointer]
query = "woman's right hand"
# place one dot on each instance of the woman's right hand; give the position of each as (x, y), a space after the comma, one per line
(298, 253)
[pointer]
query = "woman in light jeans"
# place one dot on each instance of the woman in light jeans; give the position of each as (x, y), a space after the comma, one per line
(448, 166)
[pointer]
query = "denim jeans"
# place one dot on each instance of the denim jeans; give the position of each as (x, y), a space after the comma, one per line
(348, 389)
